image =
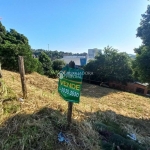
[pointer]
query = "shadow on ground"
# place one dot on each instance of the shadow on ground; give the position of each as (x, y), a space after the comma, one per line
(39, 131)
(113, 130)
(32, 131)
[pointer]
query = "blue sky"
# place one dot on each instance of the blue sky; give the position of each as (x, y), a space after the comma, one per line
(75, 25)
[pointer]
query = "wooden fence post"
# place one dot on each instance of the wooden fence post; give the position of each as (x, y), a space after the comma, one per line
(22, 76)
(70, 104)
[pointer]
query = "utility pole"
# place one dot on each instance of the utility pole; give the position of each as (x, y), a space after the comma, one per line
(48, 47)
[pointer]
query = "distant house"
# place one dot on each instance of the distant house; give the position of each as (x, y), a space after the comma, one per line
(135, 87)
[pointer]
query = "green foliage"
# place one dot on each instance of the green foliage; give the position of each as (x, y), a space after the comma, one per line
(58, 64)
(110, 66)
(2, 33)
(143, 31)
(141, 66)
(46, 64)
(14, 44)
(51, 69)
(55, 54)
(39, 67)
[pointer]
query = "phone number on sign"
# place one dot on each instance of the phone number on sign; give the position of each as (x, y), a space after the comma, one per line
(69, 92)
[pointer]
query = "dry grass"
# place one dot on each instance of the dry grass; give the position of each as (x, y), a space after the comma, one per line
(43, 115)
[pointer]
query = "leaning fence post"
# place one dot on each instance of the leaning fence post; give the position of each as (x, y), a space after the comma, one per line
(22, 75)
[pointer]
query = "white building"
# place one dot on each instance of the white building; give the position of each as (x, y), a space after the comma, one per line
(74, 57)
(93, 52)
(82, 60)
(79, 60)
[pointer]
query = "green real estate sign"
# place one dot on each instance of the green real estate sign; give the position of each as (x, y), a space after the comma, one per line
(70, 81)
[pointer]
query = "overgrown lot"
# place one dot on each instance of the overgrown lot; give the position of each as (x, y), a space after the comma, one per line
(101, 120)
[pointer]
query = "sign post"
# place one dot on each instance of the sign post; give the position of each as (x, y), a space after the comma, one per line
(70, 104)
(69, 86)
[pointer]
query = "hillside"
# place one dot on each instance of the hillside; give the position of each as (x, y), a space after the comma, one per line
(102, 118)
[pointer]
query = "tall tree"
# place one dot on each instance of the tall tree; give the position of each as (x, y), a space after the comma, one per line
(12, 45)
(110, 66)
(46, 64)
(58, 64)
(141, 65)
(2, 33)
(143, 31)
